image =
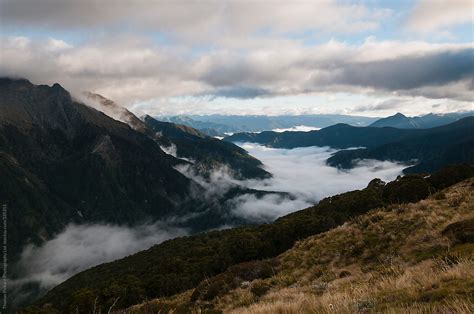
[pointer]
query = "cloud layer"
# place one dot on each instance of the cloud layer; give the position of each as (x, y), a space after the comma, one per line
(195, 20)
(155, 79)
(80, 247)
(303, 173)
(431, 15)
(170, 57)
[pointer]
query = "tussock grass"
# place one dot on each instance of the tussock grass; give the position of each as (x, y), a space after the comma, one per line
(391, 260)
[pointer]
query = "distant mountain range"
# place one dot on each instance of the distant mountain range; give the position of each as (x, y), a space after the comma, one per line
(222, 125)
(219, 125)
(422, 122)
(430, 149)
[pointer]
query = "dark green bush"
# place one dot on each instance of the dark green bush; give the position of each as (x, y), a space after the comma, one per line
(410, 188)
(259, 288)
(460, 231)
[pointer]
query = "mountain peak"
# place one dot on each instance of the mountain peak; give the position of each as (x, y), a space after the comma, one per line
(399, 115)
(398, 120)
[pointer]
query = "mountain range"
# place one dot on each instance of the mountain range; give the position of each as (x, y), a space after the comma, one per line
(83, 159)
(63, 162)
(220, 125)
(426, 149)
(431, 120)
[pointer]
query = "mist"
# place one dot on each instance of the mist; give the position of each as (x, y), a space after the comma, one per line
(297, 128)
(79, 247)
(304, 174)
(301, 178)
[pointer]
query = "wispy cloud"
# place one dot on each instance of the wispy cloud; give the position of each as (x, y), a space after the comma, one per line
(433, 15)
(301, 172)
(133, 70)
(79, 247)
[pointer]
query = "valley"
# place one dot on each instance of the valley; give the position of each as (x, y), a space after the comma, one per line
(196, 193)
(234, 157)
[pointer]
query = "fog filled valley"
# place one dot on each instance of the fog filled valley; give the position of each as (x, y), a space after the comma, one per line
(302, 173)
(198, 186)
(241, 157)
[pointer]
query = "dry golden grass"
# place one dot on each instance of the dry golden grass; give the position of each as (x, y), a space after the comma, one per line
(408, 291)
(390, 260)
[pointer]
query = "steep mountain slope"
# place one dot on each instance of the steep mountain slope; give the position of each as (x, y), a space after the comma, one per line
(422, 122)
(430, 148)
(115, 111)
(402, 258)
(63, 162)
(204, 152)
(180, 264)
(78, 165)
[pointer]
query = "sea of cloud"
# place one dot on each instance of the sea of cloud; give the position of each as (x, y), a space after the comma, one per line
(299, 128)
(304, 174)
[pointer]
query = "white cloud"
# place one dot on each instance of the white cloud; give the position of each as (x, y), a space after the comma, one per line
(300, 174)
(298, 128)
(57, 45)
(149, 78)
(304, 173)
(80, 247)
(266, 208)
(195, 21)
(433, 15)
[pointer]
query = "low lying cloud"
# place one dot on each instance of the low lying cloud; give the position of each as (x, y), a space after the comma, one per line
(303, 173)
(216, 184)
(300, 174)
(80, 247)
(266, 208)
(298, 128)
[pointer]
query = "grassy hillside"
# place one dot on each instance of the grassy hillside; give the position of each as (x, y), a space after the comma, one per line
(416, 258)
(182, 264)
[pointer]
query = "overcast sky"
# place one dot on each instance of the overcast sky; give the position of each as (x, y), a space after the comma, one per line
(248, 57)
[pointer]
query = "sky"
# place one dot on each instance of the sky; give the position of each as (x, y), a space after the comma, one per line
(369, 57)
